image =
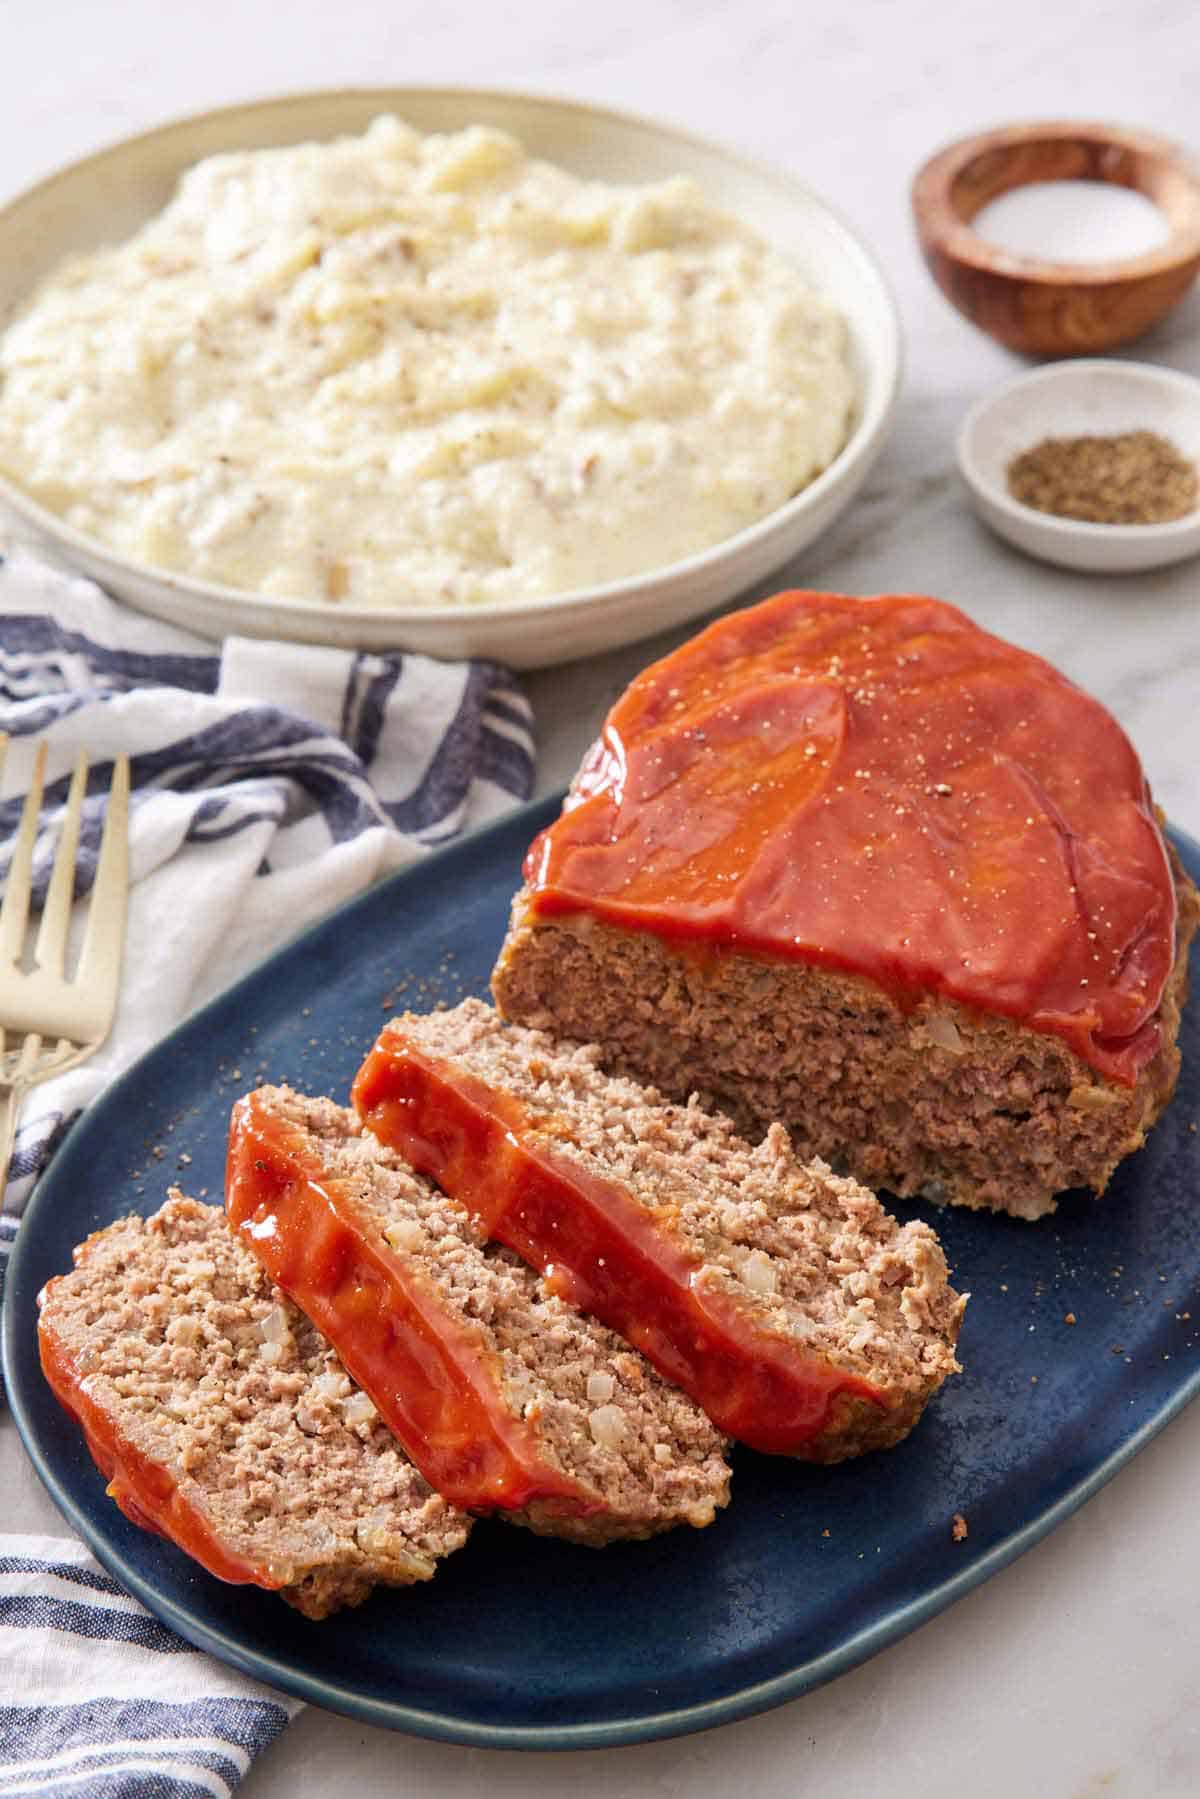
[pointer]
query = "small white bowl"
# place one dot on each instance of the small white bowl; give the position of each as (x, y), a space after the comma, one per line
(1080, 399)
(109, 196)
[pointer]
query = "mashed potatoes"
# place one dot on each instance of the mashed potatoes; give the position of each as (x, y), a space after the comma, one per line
(398, 370)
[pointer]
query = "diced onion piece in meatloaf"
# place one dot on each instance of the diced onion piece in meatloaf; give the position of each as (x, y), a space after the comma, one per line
(225, 1422)
(783, 1298)
(490, 1381)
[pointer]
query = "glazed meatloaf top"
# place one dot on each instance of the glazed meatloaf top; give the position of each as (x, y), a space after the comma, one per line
(784, 1298)
(880, 787)
(225, 1422)
(505, 1396)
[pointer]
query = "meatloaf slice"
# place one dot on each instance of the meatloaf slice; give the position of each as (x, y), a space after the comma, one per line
(801, 1316)
(225, 1422)
(506, 1397)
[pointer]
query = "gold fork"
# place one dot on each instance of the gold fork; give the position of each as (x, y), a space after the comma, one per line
(50, 1019)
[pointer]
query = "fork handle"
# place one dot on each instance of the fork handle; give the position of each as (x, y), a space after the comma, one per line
(10, 1104)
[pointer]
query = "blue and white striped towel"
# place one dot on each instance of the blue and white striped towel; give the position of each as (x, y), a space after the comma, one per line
(270, 782)
(102, 1702)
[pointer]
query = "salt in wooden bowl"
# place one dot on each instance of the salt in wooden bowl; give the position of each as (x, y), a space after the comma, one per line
(1057, 308)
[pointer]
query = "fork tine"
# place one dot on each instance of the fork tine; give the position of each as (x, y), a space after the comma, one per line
(24, 1075)
(51, 947)
(99, 973)
(15, 911)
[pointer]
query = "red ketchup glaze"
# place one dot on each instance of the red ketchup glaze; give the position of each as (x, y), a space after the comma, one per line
(598, 1247)
(145, 1491)
(433, 1382)
(880, 787)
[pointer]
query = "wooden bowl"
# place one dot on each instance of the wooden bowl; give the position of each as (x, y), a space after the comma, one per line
(1057, 308)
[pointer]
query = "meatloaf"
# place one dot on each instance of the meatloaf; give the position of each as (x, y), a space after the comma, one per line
(863, 867)
(225, 1422)
(783, 1298)
(506, 1397)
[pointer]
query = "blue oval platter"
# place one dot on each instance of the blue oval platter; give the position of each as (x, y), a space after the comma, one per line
(525, 1643)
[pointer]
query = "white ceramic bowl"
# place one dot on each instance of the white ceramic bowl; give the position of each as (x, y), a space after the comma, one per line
(1080, 399)
(107, 197)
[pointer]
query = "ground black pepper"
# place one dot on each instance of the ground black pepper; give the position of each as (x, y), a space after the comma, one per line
(1131, 478)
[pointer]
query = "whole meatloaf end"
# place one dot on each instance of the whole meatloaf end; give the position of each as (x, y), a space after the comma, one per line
(507, 1398)
(783, 1298)
(226, 1423)
(860, 866)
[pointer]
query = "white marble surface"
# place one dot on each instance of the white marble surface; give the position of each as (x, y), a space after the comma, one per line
(1074, 1673)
